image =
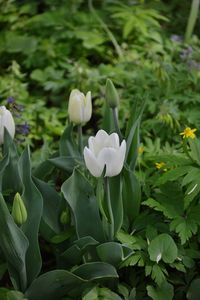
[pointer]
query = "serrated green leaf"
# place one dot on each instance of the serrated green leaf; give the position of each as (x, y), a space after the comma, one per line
(158, 274)
(185, 227)
(173, 174)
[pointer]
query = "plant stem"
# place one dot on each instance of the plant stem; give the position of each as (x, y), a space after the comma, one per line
(185, 149)
(192, 19)
(110, 212)
(116, 122)
(107, 30)
(80, 139)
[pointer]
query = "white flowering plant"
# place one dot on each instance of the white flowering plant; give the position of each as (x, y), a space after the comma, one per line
(73, 225)
(75, 201)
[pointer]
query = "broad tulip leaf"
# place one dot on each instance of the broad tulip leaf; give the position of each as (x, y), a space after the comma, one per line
(11, 179)
(52, 205)
(65, 163)
(59, 283)
(132, 126)
(111, 253)
(74, 254)
(107, 122)
(43, 170)
(54, 285)
(3, 164)
(163, 247)
(131, 195)
(80, 196)
(34, 204)
(14, 245)
(67, 146)
(96, 270)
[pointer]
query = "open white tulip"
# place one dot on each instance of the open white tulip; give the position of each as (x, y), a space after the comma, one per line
(80, 107)
(105, 151)
(7, 121)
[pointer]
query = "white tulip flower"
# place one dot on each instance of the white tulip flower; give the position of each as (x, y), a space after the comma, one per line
(7, 121)
(80, 107)
(105, 151)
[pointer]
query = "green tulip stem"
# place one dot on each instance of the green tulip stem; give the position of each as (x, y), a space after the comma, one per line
(116, 122)
(80, 138)
(185, 149)
(110, 212)
(192, 19)
(107, 30)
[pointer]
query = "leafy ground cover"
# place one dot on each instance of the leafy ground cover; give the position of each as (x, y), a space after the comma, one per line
(64, 249)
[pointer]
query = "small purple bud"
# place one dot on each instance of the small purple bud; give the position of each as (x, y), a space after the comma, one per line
(186, 53)
(23, 128)
(176, 38)
(193, 64)
(10, 100)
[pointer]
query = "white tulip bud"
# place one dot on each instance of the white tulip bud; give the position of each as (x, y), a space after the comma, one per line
(7, 121)
(105, 151)
(80, 107)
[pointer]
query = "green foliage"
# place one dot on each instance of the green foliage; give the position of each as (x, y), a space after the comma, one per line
(64, 250)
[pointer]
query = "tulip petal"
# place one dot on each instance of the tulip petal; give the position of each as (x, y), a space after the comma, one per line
(119, 159)
(97, 143)
(113, 159)
(88, 107)
(113, 140)
(9, 123)
(76, 106)
(6, 120)
(91, 163)
(107, 156)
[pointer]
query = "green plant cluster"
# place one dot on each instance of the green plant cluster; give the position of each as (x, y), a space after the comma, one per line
(50, 47)
(62, 250)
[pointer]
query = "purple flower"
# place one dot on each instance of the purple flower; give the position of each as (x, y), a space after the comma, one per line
(176, 38)
(193, 64)
(186, 53)
(23, 128)
(10, 100)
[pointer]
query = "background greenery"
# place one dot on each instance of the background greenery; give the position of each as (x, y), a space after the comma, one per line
(49, 47)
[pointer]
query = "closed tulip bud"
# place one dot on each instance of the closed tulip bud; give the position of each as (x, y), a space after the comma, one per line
(112, 96)
(80, 107)
(104, 151)
(65, 217)
(6, 121)
(19, 212)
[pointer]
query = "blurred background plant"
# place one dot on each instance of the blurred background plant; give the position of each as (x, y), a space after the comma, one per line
(50, 47)
(150, 49)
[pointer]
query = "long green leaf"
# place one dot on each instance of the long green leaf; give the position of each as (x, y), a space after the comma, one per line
(34, 203)
(14, 245)
(11, 179)
(80, 196)
(131, 195)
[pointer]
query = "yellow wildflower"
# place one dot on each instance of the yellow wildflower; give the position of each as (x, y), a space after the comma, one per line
(188, 133)
(140, 149)
(160, 165)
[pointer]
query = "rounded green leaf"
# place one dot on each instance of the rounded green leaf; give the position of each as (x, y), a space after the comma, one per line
(163, 247)
(194, 290)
